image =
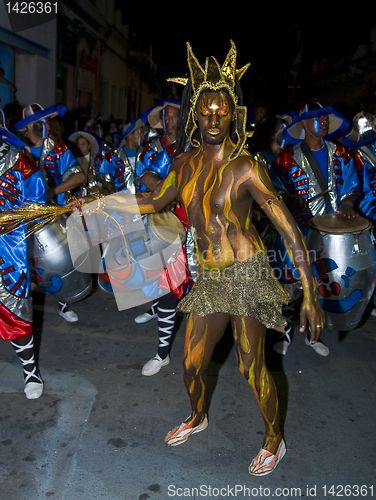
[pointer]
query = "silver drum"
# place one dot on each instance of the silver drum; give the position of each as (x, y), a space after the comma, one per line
(344, 267)
(137, 259)
(51, 264)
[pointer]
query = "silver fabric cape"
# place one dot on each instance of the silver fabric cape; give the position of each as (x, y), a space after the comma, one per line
(19, 306)
(317, 207)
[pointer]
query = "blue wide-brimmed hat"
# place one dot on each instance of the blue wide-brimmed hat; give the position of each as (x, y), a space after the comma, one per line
(8, 136)
(363, 131)
(131, 127)
(295, 133)
(35, 112)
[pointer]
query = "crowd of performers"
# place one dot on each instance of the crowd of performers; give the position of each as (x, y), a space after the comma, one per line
(235, 193)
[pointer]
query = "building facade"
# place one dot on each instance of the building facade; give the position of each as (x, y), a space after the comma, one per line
(82, 58)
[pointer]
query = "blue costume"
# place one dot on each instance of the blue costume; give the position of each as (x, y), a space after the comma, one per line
(20, 182)
(361, 141)
(157, 162)
(157, 155)
(294, 171)
(57, 163)
(120, 163)
(157, 158)
(366, 156)
(53, 157)
(308, 174)
(116, 170)
(294, 166)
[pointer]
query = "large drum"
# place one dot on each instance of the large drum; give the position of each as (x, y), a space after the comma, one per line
(343, 261)
(137, 259)
(51, 264)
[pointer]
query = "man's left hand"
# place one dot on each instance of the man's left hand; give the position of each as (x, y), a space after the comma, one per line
(312, 315)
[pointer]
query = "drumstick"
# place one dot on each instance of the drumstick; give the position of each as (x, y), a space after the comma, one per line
(317, 196)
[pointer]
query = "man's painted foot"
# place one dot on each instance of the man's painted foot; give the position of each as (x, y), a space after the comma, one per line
(180, 434)
(265, 462)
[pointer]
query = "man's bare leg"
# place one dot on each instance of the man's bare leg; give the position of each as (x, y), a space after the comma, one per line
(249, 335)
(202, 335)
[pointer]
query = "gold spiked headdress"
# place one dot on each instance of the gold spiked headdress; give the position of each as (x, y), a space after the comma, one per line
(215, 77)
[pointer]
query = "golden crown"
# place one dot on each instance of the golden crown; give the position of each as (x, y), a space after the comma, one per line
(214, 77)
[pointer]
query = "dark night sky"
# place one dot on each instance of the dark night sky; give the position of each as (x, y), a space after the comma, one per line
(169, 45)
(266, 42)
(269, 43)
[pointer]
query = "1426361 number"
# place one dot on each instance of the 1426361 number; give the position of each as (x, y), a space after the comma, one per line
(347, 491)
(31, 7)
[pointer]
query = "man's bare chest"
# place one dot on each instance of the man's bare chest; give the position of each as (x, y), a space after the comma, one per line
(209, 192)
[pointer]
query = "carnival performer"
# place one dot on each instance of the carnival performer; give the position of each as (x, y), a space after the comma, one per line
(90, 159)
(216, 182)
(59, 166)
(119, 165)
(361, 142)
(117, 172)
(114, 134)
(95, 127)
(318, 176)
(150, 171)
(21, 182)
(163, 120)
(300, 174)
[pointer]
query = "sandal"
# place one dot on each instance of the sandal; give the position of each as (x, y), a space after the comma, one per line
(180, 434)
(265, 462)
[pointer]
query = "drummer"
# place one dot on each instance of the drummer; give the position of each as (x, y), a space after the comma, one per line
(59, 166)
(152, 168)
(161, 137)
(20, 179)
(361, 141)
(318, 175)
(88, 153)
(119, 165)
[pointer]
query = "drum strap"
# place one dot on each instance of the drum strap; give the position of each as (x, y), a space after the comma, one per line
(316, 170)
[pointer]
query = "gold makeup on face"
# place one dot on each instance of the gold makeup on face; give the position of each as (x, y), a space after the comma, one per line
(217, 105)
(214, 77)
(214, 116)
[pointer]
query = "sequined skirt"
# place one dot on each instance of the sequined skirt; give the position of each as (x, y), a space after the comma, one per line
(242, 289)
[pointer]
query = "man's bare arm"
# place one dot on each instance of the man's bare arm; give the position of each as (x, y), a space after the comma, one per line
(162, 195)
(263, 192)
(72, 182)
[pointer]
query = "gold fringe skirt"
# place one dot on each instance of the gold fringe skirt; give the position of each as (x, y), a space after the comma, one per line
(242, 289)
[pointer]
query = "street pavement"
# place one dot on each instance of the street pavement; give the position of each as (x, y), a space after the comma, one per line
(98, 430)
